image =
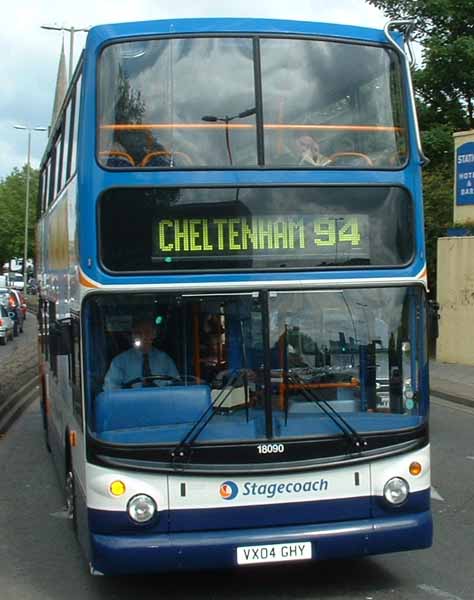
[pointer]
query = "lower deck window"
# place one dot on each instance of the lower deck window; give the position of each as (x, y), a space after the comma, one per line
(252, 366)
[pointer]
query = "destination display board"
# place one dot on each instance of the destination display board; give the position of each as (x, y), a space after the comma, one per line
(199, 230)
(278, 236)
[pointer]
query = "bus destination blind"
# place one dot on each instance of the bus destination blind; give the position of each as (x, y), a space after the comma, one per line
(266, 236)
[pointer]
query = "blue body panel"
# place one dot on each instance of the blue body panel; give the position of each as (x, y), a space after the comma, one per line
(104, 33)
(154, 553)
(109, 522)
(93, 180)
(198, 539)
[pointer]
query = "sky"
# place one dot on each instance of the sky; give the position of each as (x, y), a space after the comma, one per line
(30, 54)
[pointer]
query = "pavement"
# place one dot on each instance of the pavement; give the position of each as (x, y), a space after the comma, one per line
(452, 382)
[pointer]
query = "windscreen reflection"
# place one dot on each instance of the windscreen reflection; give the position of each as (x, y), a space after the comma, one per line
(159, 366)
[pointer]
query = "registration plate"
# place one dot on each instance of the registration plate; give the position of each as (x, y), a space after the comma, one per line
(274, 553)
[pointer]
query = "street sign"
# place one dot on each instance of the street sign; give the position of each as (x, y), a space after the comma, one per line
(465, 174)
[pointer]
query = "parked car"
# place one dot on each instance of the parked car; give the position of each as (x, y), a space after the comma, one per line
(11, 300)
(20, 300)
(4, 297)
(6, 326)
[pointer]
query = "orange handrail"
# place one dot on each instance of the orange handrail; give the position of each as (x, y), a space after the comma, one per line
(285, 387)
(318, 386)
(141, 126)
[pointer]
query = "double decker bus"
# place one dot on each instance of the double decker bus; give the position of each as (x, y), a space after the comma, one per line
(250, 190)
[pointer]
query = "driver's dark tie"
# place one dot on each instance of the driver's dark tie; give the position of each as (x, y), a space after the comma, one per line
(146, 371)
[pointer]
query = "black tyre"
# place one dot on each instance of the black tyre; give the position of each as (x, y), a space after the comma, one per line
(3, 341)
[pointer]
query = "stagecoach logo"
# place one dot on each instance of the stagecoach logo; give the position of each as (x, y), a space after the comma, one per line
(228, 490)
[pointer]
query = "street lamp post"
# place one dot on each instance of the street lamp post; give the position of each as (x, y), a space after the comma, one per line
(226, 120)
(72, 31)
(27, 196)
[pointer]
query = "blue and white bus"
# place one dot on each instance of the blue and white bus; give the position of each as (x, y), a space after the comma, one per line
(251, 189)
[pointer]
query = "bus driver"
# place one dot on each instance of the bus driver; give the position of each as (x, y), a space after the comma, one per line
(142, 362)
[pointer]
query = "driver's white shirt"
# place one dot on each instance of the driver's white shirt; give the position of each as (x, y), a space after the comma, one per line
(129, 365)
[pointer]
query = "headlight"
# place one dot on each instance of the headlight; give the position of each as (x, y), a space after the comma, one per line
(141, 508)
(396, 491)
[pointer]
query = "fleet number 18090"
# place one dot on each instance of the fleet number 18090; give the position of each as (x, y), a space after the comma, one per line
(270, 448)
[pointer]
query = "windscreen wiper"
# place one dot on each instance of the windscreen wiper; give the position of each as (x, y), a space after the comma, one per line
(358, 442)
(182, 450)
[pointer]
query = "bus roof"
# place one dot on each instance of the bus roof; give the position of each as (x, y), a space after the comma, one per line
(102, 33)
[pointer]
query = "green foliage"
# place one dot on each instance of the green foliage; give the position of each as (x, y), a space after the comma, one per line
(442, 17)
(444, 89)
(129, 107)
(438, 144)
(438, 194)
(12, 213)
(467, 225)
(444, 84)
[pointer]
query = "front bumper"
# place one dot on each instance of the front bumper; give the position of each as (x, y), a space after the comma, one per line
(113, 555)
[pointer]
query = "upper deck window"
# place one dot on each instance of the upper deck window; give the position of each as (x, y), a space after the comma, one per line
(195, 102)
(177, 103)
(331, 104)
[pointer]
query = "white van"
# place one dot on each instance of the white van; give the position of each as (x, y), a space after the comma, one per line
(16, 281)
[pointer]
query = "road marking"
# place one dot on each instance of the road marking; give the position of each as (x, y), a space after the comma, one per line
(23, 387)
(434, 591)
(12, 411)
(30, 393)
(435, 495)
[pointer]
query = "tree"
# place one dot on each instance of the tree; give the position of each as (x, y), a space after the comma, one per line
(12, 213)
(438, 196)
(444, 84)
(444, 89)
(129, 105)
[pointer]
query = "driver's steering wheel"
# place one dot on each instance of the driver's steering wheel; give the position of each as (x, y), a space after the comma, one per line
(150, 379)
